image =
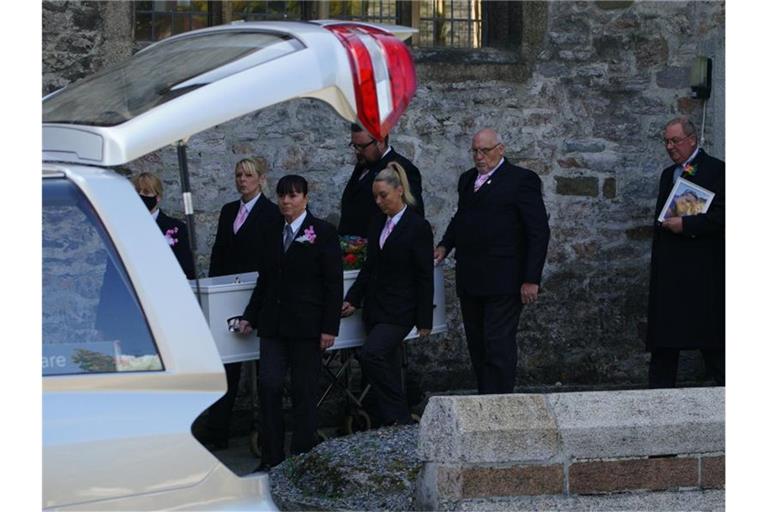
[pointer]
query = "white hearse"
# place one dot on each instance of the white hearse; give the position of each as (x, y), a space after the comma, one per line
(128, 359)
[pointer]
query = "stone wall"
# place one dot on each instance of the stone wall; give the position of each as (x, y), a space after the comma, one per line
(581, 101)
(570, 443)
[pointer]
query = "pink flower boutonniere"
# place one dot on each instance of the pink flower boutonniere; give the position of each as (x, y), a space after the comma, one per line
(689, 170)
(169, 236)
(308, 237)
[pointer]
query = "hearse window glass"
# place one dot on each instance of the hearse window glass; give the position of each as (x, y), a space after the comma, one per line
(92, 322)
(162, 72)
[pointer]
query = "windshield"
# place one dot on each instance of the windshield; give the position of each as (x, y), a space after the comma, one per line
(163, 72)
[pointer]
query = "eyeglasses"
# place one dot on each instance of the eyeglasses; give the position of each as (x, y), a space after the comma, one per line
(360, 147)
(675, 142)
(485, 151)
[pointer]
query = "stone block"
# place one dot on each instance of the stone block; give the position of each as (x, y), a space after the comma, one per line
(594, 477)
(610, 5)
(512, 481)
(673, 77)
(487, 429)
(713, 472)
(580, 186)
(651, 52)
(639, 233)
(569, 163)
(584, 146)
(609, 188)
(641, 423)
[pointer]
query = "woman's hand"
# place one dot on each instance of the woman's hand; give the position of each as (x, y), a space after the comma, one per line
(326, 341)
(347, 309)
(245, 327)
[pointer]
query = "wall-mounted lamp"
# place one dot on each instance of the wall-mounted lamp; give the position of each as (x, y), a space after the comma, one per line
(701, 77)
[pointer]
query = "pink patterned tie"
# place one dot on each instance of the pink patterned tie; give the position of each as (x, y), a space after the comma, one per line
(388, 227)
(481, 178)
(241, 215)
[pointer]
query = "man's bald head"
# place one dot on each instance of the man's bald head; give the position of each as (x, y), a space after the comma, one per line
(487, 150)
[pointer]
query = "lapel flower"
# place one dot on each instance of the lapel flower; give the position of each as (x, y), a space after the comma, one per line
(169, 236)
(308, 237)
(689, 169)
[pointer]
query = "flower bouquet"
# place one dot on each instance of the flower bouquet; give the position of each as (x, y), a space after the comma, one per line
(353, 249)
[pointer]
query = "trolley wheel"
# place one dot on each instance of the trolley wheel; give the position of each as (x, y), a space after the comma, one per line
(357, 421)
(415, 417)
(254, 445)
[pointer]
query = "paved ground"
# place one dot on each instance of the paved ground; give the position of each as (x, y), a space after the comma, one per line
(703, 501)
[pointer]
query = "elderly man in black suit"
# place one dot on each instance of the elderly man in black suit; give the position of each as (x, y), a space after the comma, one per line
(500, 232)
(395, 287)
(295, 309)
(235, 251)
(686, 308)
(357, 205)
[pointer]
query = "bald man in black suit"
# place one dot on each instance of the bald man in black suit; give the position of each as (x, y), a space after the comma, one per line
(500, 232)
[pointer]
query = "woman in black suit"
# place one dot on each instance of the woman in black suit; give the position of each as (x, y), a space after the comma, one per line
(235, 251)
(395, 287)
(295, 309)
(236, 245)
(150, 190)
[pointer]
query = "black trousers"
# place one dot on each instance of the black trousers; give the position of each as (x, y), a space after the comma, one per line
(220, 413)
(381, 358)
(662, 371)
(303, 357)
(490, 323)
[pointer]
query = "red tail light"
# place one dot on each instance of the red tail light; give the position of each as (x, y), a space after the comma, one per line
(383, 74)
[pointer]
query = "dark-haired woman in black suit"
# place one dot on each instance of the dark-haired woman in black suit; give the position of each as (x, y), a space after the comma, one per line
(395, 288)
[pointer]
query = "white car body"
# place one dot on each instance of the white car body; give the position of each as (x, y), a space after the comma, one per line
(120, 438)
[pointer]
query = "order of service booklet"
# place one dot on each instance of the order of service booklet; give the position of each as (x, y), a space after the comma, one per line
(686, 198)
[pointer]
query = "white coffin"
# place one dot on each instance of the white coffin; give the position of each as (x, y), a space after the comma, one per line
(223, 297)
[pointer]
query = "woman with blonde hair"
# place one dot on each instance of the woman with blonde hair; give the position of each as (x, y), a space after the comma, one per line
(236, 251)
(150, 190)
(395, 288)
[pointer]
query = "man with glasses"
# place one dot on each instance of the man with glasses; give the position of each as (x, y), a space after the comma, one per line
(357, 204)
(686, 306)
(500, 232)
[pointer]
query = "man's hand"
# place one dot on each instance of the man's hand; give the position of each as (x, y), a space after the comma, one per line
(245, 327)
(674, 224)
(424, 332)
(347, 309)
(326, 341)
(439, 254)
(529, 292)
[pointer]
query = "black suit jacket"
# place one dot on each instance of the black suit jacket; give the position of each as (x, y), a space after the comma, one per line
(237, 253)
(396, 283)
(686, 308)
(176, 229)
(500, 232)
(298, 293)
(358, 208)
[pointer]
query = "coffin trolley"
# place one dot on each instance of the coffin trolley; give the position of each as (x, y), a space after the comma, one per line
(224, 297)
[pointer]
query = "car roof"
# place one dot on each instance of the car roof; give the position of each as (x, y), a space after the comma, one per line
(188, 83)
